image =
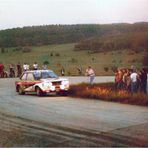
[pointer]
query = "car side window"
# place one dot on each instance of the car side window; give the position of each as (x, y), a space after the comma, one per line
(24, 77)
(30, 77)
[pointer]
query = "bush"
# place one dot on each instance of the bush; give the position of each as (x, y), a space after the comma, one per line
(69, 73)
(46, 62)
(26, 49)
(51, 54)
(114, 68)
(19, 48)
(73, 60)
(106, 69)
(2, 50)
(106, 92)
(57, 54)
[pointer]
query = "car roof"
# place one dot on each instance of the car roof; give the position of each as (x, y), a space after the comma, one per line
(36, 71)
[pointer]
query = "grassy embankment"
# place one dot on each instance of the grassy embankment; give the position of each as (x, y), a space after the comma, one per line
(106, 92)
(64, 55)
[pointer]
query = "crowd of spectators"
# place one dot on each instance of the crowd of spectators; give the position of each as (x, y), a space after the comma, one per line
(131, 80)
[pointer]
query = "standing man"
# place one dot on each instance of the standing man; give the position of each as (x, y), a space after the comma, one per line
(62, 71)
(2, 70)
(19, 69)
(91, 73)
(134, 81)
(144, 80)
(35, 66)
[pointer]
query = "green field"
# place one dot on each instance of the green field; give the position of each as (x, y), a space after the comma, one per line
(64, 55)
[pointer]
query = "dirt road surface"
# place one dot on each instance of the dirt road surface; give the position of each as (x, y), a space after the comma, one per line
(29, 120)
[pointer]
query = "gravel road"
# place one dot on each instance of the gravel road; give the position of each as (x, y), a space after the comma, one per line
(65, 121)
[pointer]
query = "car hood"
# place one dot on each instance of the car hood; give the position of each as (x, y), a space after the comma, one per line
(54, 79)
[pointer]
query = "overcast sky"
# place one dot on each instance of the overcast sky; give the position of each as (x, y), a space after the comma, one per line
(19, 13)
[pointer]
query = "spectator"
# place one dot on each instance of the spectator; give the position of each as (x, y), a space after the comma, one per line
(26, 67)
(35, 66)
(79, 71)
(62, 71)
(19, 69)
(90, 72)
(134, 81)
(11, 70)
(1, 70)
(44, 67)
(144, 81)
(119, 79)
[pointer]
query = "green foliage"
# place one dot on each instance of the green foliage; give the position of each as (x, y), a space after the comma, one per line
(19, 48)
(137, 41)
(2, 50)
(106, 69)
(51, 54)
(73, 60)
(110, 36)
(26, 49)
(57, 54)
(46, 62)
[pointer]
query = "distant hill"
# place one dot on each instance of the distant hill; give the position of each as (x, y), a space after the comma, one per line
(103, 36)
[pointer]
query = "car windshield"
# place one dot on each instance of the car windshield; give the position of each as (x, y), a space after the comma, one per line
(45, 75)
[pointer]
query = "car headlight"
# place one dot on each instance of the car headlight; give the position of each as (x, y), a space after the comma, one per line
(65, 82)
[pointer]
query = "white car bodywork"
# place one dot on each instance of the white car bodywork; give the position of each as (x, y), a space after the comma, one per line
(32, 81)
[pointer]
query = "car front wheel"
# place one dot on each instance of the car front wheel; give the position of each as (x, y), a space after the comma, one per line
(39, 91)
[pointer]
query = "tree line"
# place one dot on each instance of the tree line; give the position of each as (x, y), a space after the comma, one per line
(100, 37)
(136, 41)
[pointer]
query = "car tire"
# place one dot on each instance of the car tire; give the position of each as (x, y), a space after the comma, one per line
(63, 93)
(38, 91)
(20, 90)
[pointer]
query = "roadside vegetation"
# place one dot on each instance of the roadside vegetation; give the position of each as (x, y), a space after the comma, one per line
(106, 92)
(64, 55)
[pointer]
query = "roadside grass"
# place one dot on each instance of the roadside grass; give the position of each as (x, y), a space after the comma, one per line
(106, 92)
(63, 55)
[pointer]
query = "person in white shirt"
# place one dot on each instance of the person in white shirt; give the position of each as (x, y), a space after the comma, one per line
(91, 73)
(134, 81)
(35, 66)
(25, 67)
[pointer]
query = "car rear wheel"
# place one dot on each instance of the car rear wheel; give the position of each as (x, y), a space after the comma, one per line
(39, 91)
(20, 90)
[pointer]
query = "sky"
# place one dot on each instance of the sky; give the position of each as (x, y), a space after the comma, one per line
(20, 13)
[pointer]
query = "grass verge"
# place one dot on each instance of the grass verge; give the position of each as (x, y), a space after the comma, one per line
(106, 92)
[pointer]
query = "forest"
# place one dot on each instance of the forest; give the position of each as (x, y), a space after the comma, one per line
(94, 37)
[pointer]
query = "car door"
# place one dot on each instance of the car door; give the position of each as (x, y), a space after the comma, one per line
(30, 82)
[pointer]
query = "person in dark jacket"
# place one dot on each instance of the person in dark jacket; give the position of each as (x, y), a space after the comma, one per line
(144, 81)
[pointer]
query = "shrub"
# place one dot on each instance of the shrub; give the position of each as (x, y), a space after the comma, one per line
(114, 68)
(51, 54)
(106, 92)
(46, 62)
(69, 73)
(2, 50)
(57, 54)
(26, 49)
(73, 60)
(19, 48)
(106, 69)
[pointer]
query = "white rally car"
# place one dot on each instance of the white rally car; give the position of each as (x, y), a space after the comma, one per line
(41, 82)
